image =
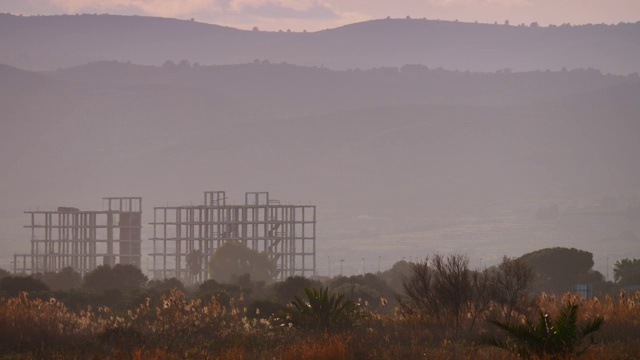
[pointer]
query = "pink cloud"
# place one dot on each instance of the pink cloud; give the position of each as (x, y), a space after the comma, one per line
(167, 8)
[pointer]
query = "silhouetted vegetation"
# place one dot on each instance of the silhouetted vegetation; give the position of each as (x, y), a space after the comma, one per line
(166, 285)
(66, 279)
(550, 337)
(445, 308)
(11, 286)
(627, 272)
(293, 286)
(121, 278)
(368, 289)
(393, 277)
(511, 283)
(179, 327)
(444, 290)
(320, 310)
(234, 262)
(557, 269)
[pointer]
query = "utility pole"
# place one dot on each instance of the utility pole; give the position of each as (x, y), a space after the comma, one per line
(379, 263)
(329, 261)
(362, 266)
(341, 262)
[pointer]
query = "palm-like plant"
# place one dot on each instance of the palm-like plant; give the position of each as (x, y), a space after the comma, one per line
(627, 272)
(548, 337)
(320, 311)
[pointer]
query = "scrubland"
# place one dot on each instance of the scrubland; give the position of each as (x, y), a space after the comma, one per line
(182, 328)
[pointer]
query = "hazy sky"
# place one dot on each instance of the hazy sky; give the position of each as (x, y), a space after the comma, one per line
(312, 15)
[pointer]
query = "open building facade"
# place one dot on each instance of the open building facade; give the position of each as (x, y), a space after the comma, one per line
(83, 240)
(184, 238)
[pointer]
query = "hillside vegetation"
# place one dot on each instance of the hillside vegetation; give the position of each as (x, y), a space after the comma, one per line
(50, 42)
(503, 135)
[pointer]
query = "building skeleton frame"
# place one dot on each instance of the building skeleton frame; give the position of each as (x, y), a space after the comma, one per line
(83, 240)
(185, 238)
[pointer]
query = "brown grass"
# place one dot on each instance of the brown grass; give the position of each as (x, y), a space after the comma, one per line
(181, 328)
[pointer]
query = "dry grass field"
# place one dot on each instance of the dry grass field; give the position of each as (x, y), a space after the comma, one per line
(181, 328)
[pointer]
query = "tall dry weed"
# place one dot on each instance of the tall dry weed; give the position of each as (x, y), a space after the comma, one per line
(27, 324)
(183, 328)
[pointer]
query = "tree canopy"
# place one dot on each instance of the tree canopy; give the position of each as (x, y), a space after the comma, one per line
(125, 278)
(233, 259)
(292, 286)
(11, 286)
(166, 285)
(558, 268)
(393, 277)
(67, 278)
(4, 273)
(627, 272)
(370, 288)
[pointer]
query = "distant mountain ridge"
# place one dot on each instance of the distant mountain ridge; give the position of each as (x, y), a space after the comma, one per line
(336, 138)
(51, 42)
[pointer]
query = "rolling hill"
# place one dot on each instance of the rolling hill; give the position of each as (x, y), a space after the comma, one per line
(52, 42)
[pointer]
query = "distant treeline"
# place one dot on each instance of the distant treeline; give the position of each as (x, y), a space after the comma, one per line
(50, 42)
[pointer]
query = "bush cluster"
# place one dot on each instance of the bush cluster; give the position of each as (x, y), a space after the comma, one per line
(179, 327)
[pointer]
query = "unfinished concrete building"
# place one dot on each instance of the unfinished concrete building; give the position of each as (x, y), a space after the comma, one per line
(186, 237)
(83, 240)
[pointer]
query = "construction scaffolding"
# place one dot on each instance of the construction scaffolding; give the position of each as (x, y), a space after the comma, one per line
(186, 237)
(83, 240)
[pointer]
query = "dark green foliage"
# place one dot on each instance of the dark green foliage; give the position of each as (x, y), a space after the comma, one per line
(4, 273)
(124, 278)
(166, 285)
(66, 279)
(549, 337)
(627, 272)
(553, 260)
(208, 285)
(247, 284)
(78, 299)
(212, 286)
(11, 286)
(292, 286)
(393, 277)
(263, 309)
(221, 291)
(320, 311)
(370, 289)
(233, 259)
(113, 298)
(361, 294)
(558, 268)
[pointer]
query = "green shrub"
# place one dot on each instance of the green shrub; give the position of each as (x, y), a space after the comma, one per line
(320, 311)
(548, 337)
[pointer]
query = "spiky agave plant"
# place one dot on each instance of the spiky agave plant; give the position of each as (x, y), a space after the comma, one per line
(320, 311)
(548, 337)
